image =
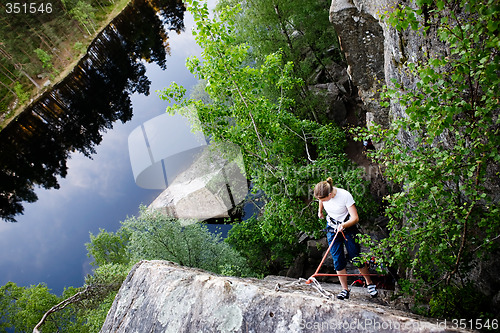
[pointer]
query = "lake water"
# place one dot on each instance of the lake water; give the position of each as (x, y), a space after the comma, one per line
(46, 244)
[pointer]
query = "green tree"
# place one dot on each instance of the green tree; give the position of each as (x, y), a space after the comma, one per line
(84, 309)
(445, 213)
(156, 236)
(45, 58)
(298, 28)
(84, 14)
(109, 247)
(21, 94)
(301, 31)
(9, 294)
(284, 156)
(21, 308)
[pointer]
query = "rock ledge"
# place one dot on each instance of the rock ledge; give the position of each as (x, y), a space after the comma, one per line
(160, 296)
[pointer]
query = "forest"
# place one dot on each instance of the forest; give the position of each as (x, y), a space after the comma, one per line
(259, 61)
(39, 42)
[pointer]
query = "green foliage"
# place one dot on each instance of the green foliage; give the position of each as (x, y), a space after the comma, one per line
(45, 58)
(154, 236)
(95, 319)
(110, 273)
(443, 213)
(284, 155)
(90, 313)
(301, 31)
(31, 306)
(21, 94)
(248, 238)
(22, 308)
(109, 247)
(458, 302)
(83, 12)
(79, 47)
(9, 293)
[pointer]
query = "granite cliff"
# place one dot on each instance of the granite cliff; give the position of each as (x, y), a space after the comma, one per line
(377, 54)
(160, 296)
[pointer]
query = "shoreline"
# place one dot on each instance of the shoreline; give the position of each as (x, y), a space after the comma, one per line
(119, 8)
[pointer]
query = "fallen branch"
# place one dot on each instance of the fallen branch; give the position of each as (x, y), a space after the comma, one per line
(78, 297)
(58, 307)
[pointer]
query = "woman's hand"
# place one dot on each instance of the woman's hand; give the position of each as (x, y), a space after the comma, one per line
(320, 215)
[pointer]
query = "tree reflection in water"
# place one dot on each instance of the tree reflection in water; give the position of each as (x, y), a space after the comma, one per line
(73, 116)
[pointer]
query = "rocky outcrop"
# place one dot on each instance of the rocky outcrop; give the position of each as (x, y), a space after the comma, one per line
(209, 188)
(160, 296)
(362, 40)
(337, 93)
(376, 53)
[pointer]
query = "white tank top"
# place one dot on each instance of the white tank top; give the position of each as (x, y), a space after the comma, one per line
(337, 206)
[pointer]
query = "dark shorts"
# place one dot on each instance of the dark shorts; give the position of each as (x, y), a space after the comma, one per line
(337, 250)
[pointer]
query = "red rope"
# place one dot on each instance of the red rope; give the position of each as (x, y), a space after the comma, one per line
(323, 260)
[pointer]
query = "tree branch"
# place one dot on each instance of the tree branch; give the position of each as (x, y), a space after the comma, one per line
(79, 296)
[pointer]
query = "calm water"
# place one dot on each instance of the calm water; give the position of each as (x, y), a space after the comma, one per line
(47, 242)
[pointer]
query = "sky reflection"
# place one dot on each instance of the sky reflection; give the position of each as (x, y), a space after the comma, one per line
(47, 243)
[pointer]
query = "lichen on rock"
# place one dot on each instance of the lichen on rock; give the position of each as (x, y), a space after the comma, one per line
(160, 296)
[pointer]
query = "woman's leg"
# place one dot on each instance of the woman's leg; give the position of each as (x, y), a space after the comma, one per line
(343, 279)
(353, 251)
(364, 270)
(339, 262)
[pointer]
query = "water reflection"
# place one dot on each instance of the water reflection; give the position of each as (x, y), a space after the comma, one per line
(35, 148)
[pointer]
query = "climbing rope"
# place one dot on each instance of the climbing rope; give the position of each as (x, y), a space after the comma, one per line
(315, 284)
(312, 279)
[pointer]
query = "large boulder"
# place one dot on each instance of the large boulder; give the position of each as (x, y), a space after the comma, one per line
(160, 296)
(209, 188)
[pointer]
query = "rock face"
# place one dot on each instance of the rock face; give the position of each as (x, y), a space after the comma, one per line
(376, 53)
(337, 92)
(160, 296)
(362, 40)
(211, 186)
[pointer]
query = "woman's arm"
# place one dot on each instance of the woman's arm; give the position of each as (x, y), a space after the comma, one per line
(354, 218)
(320, 210)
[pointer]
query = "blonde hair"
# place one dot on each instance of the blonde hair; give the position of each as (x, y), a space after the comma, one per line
(324, 188)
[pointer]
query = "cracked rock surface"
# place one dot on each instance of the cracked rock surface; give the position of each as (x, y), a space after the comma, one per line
(161, 296)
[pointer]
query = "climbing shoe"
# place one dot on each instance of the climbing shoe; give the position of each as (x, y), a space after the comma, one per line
(372, 290)
(344, 294)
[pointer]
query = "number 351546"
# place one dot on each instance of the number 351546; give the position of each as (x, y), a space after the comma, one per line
(28, 8)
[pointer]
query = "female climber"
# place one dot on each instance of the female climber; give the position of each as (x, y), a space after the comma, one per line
(342, 219)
